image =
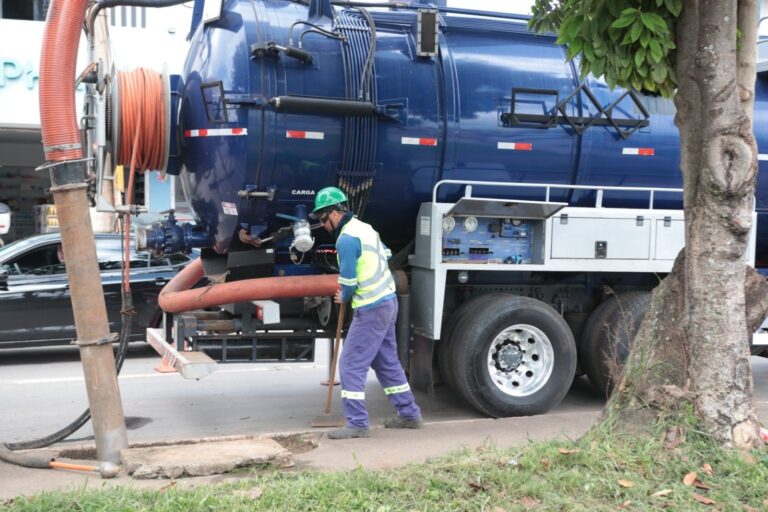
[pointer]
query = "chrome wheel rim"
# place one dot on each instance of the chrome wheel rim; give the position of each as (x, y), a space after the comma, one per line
(520, 360)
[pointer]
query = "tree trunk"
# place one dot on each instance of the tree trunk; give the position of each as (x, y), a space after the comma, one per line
(692, 343)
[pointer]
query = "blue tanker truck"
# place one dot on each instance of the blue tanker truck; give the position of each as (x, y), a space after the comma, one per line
(529, 211)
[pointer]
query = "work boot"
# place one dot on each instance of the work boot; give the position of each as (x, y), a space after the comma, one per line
(348, 433)
(397, 421)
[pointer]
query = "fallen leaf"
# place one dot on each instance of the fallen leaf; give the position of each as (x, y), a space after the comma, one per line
(624, 505)
(707, 469)
(529, 502)
(499, 509)
(477, 487)
(747, 458)
(701, 485)
(663, 492)
(566, 451)
(626, 483)
(253, 494)
(545, 463)
(690, 478)
(168, 486)
(703, 499)
(674, 444)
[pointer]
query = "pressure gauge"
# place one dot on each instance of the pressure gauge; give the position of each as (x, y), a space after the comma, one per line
(517, 222)
(448, 224)
(470, 224)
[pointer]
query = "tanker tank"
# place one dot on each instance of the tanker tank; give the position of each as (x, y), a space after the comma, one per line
(279, 99)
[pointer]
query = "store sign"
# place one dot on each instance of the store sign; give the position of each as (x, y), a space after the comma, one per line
(20, 44)
(13, 69)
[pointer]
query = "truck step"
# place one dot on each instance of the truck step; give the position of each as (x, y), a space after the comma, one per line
(189, 364)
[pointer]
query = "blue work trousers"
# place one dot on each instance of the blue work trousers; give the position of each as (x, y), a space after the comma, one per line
(371, 343)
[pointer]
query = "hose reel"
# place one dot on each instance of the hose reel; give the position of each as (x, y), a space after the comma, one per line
(140, 99)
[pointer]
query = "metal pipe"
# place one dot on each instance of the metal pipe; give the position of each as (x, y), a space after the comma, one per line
(91, 321)
(177, 296)
(403, 329)
(60, 41)
(299, 104)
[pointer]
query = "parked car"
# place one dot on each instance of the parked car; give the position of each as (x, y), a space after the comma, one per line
(35, 304)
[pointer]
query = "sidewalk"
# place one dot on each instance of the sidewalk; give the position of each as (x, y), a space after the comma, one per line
(384, 449)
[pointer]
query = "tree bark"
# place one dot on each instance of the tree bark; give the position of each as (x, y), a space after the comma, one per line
(693, 342)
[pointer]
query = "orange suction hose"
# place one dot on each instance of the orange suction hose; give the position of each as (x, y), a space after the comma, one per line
(177, 297)
(58, 117)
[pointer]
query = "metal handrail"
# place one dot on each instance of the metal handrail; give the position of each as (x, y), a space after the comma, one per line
(548, 187)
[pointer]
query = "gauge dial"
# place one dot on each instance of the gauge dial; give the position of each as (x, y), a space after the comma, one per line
(448, 224)
(470, 224)
(517, 222)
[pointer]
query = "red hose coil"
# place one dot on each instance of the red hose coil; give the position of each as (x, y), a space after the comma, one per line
(58, 61)
(177, 297)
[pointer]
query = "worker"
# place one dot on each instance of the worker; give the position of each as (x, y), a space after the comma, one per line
(366, 281)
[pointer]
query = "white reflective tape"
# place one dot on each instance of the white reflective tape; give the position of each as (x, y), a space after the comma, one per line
(297, 134)
(353, 395)
(762, 156)
(397, 389)
(515, 146)
(217, 132)
(419, 141)
(638, 151)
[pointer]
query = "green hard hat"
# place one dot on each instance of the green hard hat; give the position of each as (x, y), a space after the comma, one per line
(329, 196)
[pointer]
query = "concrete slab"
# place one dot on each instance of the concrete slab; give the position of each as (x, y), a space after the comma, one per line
(201, 459)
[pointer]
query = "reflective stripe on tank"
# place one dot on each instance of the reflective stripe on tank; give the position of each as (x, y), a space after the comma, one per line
(397, 389)
(216, 132)
(353, 395)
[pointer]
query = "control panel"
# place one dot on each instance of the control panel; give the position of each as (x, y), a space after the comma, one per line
(473, 239)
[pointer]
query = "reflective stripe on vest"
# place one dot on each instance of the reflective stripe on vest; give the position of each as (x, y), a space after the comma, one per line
(397, 389)
(374, 280)
(353, 395)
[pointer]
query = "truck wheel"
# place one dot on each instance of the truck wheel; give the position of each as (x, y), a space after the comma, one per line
(608, 336)
(444, 351)
(513, 356)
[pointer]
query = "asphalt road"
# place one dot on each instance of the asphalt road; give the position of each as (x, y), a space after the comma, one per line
(43, 390)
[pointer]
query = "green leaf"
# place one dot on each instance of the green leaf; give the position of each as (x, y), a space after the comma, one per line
(655, 51)
(598, 67)
(640, 57)
(588, 52)
(642, 71)
(645, 38)
(659, 74)
(628, 11)
(575, 47)
(636, 30)
(624, 21)
(674, 7)
(645, 17)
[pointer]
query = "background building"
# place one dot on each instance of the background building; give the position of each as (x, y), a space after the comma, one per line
(140, 37)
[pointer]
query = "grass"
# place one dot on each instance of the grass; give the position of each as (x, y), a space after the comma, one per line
(600, 472)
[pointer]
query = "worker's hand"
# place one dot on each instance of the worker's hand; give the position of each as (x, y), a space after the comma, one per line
(337, 297)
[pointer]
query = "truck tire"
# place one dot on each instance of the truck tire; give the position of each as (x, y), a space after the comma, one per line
(444, 351)
(512, 356)
(608, 336)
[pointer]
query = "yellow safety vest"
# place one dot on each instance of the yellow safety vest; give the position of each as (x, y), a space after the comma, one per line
(374, 280)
